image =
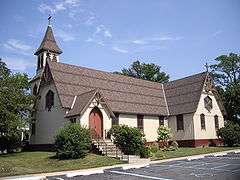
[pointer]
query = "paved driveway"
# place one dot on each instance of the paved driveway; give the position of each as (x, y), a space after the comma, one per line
(226, 167)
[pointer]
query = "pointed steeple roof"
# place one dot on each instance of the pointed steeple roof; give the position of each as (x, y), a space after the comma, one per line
(48, 43)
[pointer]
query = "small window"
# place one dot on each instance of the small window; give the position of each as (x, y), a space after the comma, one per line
(208, 103)
(115, 120)
(180, 125)
(33, 128)
(140, 122)
(41, 61)
(38, 62)
(216, 122)
(35, 90)
(73, 120)
(202, 118)
(161, 120)
(49, 100)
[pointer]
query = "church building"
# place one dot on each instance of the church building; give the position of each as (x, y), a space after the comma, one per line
(66, 93)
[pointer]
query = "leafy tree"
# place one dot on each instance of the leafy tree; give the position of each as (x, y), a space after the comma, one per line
(230, 134)
(15, 102)
(151, 72)
(72, 142)
(226, 73)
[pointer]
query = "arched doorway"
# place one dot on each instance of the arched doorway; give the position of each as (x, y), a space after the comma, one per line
(96, 123)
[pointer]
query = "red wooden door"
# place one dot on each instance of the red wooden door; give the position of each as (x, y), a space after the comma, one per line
(96, 123)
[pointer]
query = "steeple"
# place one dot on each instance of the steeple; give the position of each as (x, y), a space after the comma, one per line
(48, 49)
(48, 43)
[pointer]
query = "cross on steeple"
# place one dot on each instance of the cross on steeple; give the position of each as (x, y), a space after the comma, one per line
(49, 19)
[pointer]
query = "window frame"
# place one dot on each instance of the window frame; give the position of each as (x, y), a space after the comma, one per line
(140, 122)
(49, 100)
(180, 122)
(161, 120)
(33, 127)
(115, 120)
(203, 121)
(216, 119)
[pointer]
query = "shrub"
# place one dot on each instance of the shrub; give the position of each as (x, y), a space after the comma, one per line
(159, 154)
(164, 134)
(145, 152)
(72, 142)
(10, 141)
(230, 134)
(154, 148)
(129, 140)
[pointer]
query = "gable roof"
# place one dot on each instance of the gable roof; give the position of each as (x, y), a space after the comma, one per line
(184, 94)
(82, 101)
(123, 94)
(48, 43)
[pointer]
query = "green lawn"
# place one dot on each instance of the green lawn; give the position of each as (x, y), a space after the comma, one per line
(181, 152)
(39, 162)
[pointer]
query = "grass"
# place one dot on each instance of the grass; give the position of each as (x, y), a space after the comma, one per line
(181, 152)
(40, 162)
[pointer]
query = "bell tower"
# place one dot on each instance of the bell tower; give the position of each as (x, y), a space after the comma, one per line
(48, 49)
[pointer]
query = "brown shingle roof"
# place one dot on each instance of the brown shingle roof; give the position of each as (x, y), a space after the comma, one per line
(80, 102)
(48, 43)
(183, 94)
(123, 94)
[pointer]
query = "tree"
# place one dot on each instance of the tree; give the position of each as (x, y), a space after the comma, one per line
(151, 72)
(15, 103)
(230, 134)
(226, 74)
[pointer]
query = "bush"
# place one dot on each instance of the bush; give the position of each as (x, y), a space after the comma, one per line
(129, 140)
(154, 148)
(72, 142)
(10, 141)
(164, 135)
(230, 134)
(145, 152)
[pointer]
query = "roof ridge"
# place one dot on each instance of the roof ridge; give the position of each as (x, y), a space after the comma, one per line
(129, 77)
(185, 77)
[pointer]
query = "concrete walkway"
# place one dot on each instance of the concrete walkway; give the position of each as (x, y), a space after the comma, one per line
(72, 173)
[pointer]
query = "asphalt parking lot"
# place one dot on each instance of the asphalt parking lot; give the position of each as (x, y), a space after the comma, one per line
(224, 167)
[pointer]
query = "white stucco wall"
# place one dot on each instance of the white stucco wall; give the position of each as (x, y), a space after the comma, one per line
(188, 132)
(47, 122)
(151, 124)
(128, 119)
(210, 132)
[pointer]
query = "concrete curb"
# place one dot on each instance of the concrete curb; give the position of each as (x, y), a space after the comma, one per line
(73, 173)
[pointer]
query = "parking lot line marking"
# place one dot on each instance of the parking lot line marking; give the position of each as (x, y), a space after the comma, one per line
(216, 167)
(139, 175)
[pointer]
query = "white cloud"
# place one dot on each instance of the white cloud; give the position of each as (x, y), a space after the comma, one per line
(165, 38)
(217, 33)
(107, 34)
(65, 36)
(14, 44)
(18, 64)
(140, 42)
(117, 49)
(59, 6)
(90, 20)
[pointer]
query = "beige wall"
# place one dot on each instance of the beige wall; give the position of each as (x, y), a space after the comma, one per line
(128, 119)
(188, 132)
(151, 124)
(210, 132)
(47, 122)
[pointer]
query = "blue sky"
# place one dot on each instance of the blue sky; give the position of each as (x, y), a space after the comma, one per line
(180, 36)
